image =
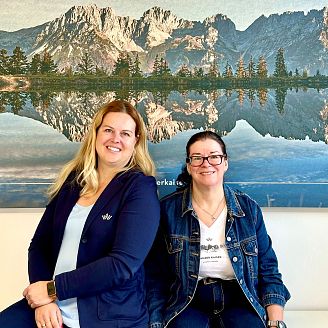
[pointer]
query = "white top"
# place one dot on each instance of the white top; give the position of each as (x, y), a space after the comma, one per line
(67, 258)
(214, 259)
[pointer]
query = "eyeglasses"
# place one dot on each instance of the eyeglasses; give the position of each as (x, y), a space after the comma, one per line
(199, 160)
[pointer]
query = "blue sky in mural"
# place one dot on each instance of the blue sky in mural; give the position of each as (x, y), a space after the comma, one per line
(17, 14)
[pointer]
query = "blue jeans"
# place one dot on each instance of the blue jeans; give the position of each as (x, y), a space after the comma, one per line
(218, 304)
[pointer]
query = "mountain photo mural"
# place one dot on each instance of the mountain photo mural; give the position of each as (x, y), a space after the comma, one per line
(261, 83)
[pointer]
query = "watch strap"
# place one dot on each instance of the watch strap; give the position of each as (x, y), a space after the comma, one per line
(276, 323)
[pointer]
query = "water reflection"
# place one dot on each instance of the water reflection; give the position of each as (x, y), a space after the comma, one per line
(259, 125)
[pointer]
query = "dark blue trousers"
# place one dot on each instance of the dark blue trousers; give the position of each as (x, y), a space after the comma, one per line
(18, 315)
(220, 304)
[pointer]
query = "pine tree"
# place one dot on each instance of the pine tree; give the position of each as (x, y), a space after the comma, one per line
(305, 73)
(48, 66)
(280, 66)
(240, 73)
(241, 95)
(4, 62)
(184, 71)
(262, 69)
(263, 96)
(36, 63)
(68, 71)
(251, 96)
(18, 62)
(136, 71)
(164, 68)
(17, 101)
(280, 97)
(122, 67)
(86, 66)
(227, 71)
(198, 72)
(156, 67)
(213, 70)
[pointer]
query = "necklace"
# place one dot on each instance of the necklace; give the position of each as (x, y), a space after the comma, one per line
(207, 212)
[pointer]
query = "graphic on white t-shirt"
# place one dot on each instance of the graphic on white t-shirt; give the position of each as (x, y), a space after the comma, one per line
(214, 259)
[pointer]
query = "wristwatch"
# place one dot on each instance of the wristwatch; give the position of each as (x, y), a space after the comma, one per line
(276, 323)
(51, 289)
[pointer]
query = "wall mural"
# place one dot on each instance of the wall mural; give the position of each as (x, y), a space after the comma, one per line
(263, 86)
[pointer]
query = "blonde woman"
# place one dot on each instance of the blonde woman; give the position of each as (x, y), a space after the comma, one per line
(86, 256)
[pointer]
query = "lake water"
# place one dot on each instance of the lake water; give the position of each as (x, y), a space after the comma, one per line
(277, 147)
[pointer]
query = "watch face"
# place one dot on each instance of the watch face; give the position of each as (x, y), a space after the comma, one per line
(277, 324)
(51, 289)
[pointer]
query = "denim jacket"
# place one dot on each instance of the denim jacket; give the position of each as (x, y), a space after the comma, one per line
(173, 264)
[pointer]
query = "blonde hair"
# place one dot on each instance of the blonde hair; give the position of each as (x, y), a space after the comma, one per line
(84, 164)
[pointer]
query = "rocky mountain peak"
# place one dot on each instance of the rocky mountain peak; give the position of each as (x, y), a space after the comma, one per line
(217, 19)
(88, 13)
(104, 35)
(225, 27)
(163, 19)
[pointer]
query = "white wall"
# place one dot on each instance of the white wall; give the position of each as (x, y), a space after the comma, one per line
(17, 227)
(299, 238)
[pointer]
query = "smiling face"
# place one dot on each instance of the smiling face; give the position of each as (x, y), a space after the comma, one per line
(116, 139)
(207, 175)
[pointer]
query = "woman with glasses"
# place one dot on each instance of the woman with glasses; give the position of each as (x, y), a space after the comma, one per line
(212, 264)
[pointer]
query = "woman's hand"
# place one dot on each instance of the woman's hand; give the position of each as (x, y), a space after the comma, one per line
(37, 295)
(275, 312)
(48, 316)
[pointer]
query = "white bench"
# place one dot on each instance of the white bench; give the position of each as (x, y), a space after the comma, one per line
(299, 238)
(309, 319)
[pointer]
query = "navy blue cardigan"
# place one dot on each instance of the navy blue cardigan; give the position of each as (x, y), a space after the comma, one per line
(119, 231)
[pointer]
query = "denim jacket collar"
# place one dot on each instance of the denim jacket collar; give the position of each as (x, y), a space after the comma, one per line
(233, 206)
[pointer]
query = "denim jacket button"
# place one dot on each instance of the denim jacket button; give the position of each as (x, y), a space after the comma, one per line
(241, 281)
(251, 299)
(228, 238)
(235, 259)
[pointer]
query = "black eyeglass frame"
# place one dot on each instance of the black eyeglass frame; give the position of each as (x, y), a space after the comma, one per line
(189, 159)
